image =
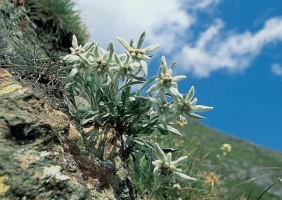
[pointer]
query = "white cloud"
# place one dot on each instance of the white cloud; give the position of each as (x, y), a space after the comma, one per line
(216, 50)
(164, 21)
(277, 69)
(202, 4)
(171, 23)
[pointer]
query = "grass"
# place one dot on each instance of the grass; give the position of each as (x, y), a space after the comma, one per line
(56, 22)
(247, 169)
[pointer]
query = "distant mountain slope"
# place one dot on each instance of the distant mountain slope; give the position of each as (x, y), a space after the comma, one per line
(248, 165)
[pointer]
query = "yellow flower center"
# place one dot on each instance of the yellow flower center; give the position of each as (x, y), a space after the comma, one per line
(167, 79)
(126, 70)
(136, 53)
(163, 107)
(167, 168)
(100, 65)
(184, 106)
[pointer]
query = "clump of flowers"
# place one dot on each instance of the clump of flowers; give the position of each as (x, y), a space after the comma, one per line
(99, 90)
(182, 105)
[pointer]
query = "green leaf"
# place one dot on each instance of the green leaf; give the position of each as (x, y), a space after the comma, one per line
(68, 85)
(73, 72)
(152, 79)
(139, 142)
(159, 153)
(106, 115)
(89, 117)
(139, 78)
(143, 110)
(111, 51)
(125, 138)
(162, 130)
(117, 59)
(172, 150)
(173, 130)
(130, 84)
(131, 43)
(88, 46)
(173, 65)
(84, 59)
(123, 98)
(123, 42)
(146, 131)
(136, 164)
(141, 40)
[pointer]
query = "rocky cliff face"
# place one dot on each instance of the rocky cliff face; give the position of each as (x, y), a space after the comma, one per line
(44, 156)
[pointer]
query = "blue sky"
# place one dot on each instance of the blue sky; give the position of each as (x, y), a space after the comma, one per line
(231, 51)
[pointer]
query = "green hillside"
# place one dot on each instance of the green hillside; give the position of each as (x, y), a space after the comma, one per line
(248, 167)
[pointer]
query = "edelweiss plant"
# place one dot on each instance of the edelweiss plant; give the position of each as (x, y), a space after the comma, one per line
(99, 90)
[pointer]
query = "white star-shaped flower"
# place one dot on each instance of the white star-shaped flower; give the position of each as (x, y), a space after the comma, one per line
(137, 53)
(165, 80)
(166, 169)
(185, 105)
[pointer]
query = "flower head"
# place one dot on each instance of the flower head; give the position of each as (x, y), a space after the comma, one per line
(165, 80)
(137, 53)
(99, 63)
(226, 147)
(212, 179)
(163, 109)
(185, 105)
(77, 51)
(78, 56)
(124, 68)
(166, 169)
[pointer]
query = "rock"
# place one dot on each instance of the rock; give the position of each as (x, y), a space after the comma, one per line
(44, 156)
